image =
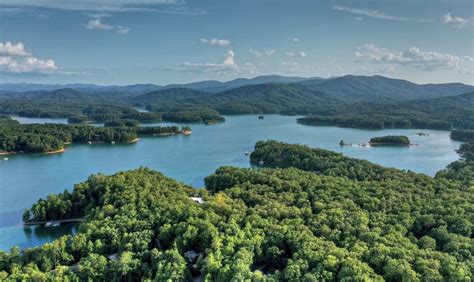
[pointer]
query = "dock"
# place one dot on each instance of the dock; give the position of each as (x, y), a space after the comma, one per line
(53, 223)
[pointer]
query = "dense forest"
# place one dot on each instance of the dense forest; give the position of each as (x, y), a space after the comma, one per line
(88, 112)
(43, 138)
(399, 140)
(318, 216)
(376, 121)
(462, 135)
(462, 169)
(194, 115)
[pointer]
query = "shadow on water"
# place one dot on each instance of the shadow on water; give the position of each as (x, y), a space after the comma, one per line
(37, 235)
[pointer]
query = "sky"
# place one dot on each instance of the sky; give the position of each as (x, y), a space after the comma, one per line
(176, 41)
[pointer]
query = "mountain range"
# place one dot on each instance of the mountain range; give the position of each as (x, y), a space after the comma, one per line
(264, 94)
(207, 85)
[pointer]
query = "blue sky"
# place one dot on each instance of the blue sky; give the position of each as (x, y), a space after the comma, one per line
(174, 41)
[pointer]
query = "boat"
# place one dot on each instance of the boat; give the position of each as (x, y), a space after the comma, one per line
(187, 132)
(5, 159)
(52, 224)
(261, 117)
(246, 153)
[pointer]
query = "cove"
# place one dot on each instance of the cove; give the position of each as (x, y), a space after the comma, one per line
(26, 178)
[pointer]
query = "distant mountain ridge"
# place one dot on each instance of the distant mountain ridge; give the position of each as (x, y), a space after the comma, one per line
(293, 95)
(207, 85)
(373, 88)
(167, 95)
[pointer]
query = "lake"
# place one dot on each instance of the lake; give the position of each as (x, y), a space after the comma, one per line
(26, 178)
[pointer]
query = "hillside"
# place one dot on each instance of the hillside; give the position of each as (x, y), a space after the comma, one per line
(167, 95)
(207, 85)
(59, 95)
(261, 98)
(66, 94)
(318, 216)
(379, 88)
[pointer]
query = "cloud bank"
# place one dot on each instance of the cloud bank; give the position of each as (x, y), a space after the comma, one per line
(225, 66)
(416, 58)
(456, 21)
(15, 59)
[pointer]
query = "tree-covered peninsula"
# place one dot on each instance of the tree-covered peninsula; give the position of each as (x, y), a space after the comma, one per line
(378, 121)
(44, 138)
(319, 216)
(463, 135)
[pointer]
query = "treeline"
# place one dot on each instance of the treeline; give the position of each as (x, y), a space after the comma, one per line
(463, 135)
(194, 115)
(42, 138)
(135, 117)
(334, 219)
(462, 169)
(110, 113)
(376, 121)
(390, 140)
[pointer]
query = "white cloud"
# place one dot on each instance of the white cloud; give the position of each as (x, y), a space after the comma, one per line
(296, 54)
(358, 18)
(122, 29)
(373, 14)
(216, 41)
(12, 49)
(259, 54)
(155, 6)
(455, 21)
(225, 66)
(16, 60)
(27, 65)
(97, 24)
(416, 58)
(295, 39)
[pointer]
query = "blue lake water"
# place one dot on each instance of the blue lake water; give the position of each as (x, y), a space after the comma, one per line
(26, 178)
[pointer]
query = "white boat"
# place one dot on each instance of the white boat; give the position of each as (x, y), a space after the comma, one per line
(5, 159)
(52, 224)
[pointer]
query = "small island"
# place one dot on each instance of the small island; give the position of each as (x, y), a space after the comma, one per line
(390, 140)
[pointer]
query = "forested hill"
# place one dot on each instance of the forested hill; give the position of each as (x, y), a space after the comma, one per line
(217, 86)
(380, 88)
(207, 85)
(59, 95)
(259, 225)
(169, 95)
